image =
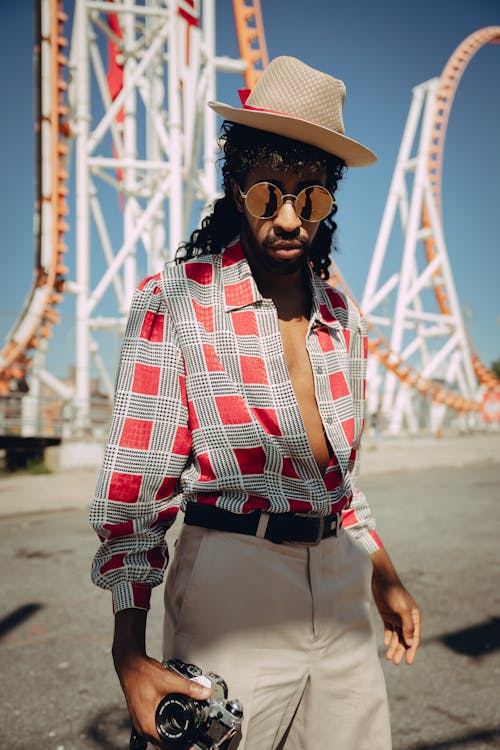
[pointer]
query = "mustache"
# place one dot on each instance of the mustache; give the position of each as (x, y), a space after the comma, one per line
(282, 242)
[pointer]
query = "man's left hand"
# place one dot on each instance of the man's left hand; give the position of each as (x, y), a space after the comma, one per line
(399, 612)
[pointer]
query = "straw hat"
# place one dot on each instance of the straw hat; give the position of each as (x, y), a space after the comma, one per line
(299, 102)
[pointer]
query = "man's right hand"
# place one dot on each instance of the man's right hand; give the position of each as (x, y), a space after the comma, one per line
(144, 680)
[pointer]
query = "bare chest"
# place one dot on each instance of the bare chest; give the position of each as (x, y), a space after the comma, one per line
(293, 336)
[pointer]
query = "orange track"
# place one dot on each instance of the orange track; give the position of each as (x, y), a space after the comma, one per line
(450, 78)
(251, 38)
(48, 283)
(377, 344)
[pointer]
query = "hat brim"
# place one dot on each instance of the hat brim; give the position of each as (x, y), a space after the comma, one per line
(354, 154)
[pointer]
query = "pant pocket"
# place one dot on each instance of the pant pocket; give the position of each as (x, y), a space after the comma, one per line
(188, 551)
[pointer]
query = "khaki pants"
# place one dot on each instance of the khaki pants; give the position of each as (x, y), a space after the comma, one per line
(288, 627)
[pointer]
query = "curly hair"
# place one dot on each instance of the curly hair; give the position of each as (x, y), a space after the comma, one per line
(243, 149)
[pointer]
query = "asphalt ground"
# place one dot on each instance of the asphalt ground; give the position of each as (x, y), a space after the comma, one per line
(441, 525)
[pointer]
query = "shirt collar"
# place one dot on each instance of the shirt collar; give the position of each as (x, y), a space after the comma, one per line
(240, 289)
(324, 300)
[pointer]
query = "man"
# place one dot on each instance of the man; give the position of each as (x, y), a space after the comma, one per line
(240, 400)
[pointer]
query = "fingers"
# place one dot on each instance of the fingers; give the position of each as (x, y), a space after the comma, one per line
(403, 642)
(408, 627)
(395, 646)
(170, 682)
(191, 688)
(412, 650)
(387, 634)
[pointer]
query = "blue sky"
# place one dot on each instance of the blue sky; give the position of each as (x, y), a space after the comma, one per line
(381, 51)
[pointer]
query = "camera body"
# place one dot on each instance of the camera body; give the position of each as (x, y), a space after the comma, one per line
(184, 722)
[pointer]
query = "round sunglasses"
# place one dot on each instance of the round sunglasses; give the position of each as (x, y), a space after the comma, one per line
(264, 201)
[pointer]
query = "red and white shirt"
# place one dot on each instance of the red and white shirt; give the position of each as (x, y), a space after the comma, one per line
(204, 411)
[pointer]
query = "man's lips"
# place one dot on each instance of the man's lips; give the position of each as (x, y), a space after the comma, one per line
(286, 246)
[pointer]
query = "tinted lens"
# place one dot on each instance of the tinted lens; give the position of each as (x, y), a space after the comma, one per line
(263, 200)
(313, 203)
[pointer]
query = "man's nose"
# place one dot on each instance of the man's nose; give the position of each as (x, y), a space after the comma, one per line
(286, 219)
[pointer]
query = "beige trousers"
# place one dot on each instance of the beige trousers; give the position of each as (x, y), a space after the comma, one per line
(288, 627)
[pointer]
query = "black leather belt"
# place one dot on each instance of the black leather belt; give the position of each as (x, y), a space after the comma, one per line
(294, 528)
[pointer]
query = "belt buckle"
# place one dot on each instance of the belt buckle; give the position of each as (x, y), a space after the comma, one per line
(321, 529)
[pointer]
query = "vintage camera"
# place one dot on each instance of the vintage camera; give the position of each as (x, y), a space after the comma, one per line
(184, 722)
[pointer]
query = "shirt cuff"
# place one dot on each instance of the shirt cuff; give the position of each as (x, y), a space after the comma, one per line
(370, 541)
(127, 595)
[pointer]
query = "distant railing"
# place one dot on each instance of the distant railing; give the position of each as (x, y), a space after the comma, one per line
(24, 416)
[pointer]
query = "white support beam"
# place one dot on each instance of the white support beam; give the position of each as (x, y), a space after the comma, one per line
(145, 161)
(422, 332)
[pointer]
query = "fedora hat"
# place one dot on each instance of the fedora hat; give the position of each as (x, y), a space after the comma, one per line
(299, 102)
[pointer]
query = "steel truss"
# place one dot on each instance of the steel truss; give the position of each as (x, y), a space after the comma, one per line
(404, 302)
(145, 146)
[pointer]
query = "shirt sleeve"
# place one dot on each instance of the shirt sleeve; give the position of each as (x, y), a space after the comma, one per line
(358, 519)
(137, 495)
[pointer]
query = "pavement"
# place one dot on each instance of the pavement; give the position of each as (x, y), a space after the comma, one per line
(437, 504)
(73, 489)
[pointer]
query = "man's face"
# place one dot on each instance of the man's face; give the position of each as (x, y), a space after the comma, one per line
(279, 245)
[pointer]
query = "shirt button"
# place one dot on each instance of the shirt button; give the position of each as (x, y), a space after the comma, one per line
(319, 371)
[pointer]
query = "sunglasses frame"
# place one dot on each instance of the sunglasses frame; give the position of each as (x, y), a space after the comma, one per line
(284, 197)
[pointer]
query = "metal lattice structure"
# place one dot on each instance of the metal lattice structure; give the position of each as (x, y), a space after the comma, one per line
(144, 168)
(150, 138)
(418, 306)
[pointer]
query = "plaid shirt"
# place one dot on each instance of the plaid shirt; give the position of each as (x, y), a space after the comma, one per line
(205, 411)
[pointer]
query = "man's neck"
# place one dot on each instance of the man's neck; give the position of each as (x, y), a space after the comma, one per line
(290, 293)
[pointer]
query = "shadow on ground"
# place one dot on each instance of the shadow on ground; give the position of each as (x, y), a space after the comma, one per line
(476, 640)
(109, 729)
(488, 737)
(17, 617)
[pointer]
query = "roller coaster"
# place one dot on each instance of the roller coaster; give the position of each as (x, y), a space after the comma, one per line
(156, 64)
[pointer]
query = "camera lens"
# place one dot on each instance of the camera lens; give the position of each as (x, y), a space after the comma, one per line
(177, 717)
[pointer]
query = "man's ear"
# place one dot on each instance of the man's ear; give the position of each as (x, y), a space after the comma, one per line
(238, 200)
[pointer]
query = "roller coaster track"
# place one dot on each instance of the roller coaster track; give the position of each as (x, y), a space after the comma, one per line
(449, 81)
(39, 313)
(378, 345)
(251, 38)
